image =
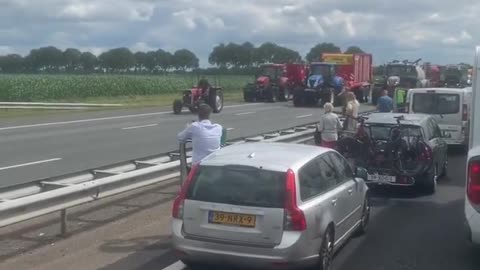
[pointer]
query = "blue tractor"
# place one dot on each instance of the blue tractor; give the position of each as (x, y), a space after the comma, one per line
(322, 84)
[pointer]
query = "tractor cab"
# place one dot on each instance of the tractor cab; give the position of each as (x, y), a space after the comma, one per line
(320, 74)
(270, 73)
(452, 76)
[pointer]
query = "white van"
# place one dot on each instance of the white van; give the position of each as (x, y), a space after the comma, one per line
(451, 106)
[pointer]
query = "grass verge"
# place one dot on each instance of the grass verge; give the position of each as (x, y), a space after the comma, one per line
(130, 102)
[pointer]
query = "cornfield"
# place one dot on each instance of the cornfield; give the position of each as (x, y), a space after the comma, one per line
(60, 87)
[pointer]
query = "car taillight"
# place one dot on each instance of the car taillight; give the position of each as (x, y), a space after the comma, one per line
(473, 185)
(426, 154)
(177, 209)
(464, 112)
(407, 107)
(294, 219)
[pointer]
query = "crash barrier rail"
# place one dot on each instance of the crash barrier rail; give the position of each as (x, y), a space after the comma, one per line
(53, 106)
(23, 202)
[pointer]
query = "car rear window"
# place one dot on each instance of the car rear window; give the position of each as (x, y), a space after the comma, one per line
(239, 185)
(383, 132)
(434, 103)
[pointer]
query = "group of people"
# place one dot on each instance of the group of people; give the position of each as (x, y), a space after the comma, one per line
(329, 124)
(206, 136)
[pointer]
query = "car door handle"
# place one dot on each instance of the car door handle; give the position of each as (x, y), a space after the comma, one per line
(334, 201)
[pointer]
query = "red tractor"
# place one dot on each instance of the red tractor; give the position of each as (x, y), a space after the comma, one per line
(202, 93)
(270, 85)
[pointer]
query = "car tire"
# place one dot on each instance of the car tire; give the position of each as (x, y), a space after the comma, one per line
(362, 229)
(326, 250)
(430, 183)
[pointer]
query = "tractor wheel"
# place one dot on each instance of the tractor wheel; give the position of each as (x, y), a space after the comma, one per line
(216, 100)
(298, 100)
(177, 106)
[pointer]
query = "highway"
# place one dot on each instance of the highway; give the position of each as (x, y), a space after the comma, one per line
(408, 231)
(39, 148)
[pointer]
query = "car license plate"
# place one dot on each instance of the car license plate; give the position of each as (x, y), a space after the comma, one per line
(231, 219)
(382, 178)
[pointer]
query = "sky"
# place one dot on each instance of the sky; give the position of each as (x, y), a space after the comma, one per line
(438, 31)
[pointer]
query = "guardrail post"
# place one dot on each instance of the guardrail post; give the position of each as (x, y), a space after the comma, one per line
(63, 222)
(183, 162)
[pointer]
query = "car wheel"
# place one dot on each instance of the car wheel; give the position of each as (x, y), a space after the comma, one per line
(430, 184)
(326, 250)
(365, 216)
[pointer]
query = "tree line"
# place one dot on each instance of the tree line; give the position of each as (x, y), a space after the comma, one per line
(226, 58)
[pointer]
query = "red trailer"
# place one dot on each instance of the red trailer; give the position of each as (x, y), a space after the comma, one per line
(355, 69)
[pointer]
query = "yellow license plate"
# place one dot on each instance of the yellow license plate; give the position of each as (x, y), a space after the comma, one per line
(231, 219)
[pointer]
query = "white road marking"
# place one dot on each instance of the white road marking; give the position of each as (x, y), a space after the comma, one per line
(29, 163)
(244, 113)
(104, 118)
(228, 129)
(135, 127)
(303, 116)
(175, 266)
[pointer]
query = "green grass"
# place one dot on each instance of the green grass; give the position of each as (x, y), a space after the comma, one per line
(133, 91)
(130, 102)
(84, 87)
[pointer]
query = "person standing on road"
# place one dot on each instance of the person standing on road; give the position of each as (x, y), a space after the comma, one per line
(205, 136)
(328, 127)
(385, 103)
(351, 113)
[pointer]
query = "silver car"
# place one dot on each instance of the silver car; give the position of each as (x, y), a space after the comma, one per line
(269, 205)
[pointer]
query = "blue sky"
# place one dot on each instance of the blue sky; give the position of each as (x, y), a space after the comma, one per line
(439, 31)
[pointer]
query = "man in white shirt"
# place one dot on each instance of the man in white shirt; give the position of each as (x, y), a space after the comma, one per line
(205, 136)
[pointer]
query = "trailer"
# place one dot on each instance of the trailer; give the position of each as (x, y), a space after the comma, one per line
(355, 69)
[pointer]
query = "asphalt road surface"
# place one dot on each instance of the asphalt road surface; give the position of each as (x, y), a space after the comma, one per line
(34, 149)
(408, 231)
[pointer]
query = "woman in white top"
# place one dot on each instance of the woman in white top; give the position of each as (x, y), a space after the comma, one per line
(328, 126)
(351, 113)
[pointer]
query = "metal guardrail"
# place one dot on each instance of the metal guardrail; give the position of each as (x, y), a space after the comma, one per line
(54, 106)
(27, 201)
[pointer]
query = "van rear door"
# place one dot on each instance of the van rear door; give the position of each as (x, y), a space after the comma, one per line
(446, 107)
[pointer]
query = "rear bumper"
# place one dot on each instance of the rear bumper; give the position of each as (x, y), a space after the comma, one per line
(472, 223)
(400, 179)
(456, 141)
(289, 254)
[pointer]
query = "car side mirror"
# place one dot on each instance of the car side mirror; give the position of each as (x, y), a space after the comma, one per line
(361, 173)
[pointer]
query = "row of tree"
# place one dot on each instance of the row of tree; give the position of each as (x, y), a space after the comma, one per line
(225, 57)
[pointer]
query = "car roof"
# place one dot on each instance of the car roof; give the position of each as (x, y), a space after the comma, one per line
(389, 118)
(269, 156)
(451, 90)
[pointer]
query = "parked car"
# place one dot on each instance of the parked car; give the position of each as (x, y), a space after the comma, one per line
(450, 106)
(269, 205)
(472, 189)
(418, 155)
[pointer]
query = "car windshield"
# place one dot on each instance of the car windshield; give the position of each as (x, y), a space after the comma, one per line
(433, 103)
(320, 70)
(239, 185)
(383, 132)
(401, 70)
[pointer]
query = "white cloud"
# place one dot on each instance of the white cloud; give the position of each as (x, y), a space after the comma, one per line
(430, 29)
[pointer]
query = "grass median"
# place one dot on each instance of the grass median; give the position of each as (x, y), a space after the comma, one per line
(130, 102)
